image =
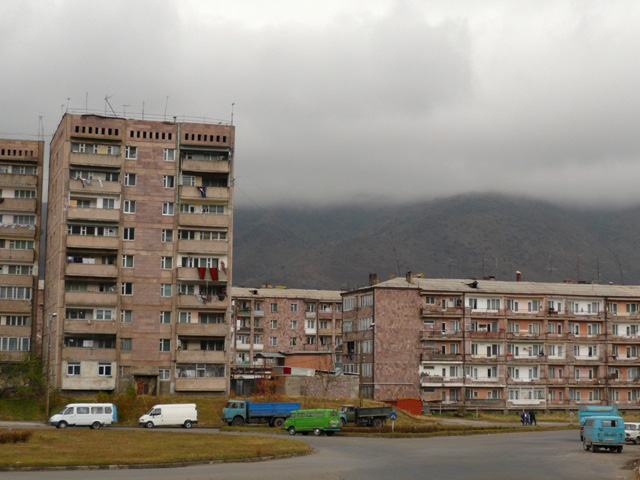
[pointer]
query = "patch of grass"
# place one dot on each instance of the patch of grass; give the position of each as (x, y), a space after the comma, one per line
(15, 437)
(21, 409)
(75, 447)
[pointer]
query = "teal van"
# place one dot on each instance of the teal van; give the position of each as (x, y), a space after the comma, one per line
(604, 432)
(316, 420)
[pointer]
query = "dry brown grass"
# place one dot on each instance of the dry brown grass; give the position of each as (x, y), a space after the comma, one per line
(125, 447)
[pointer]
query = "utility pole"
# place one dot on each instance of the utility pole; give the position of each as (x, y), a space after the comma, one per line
(48, 378)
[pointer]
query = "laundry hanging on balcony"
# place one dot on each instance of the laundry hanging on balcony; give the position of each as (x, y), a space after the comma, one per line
(203, 191)
(214, 273)
(201, 272)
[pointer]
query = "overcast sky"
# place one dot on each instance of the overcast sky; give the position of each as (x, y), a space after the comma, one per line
(354, 101)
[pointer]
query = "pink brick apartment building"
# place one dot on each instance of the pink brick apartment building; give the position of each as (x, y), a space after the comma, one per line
(138, 264)
(495, 345)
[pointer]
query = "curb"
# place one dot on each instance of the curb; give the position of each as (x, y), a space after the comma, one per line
(142, 466)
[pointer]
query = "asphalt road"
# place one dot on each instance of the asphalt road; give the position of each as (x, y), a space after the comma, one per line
(532, 455)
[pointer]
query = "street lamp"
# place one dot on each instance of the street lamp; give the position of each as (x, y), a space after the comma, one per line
(48, 378)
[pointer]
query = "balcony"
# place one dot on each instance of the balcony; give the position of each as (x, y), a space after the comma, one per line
(94, 214)
(243, 347)
(192, 274)
(438, 312)
(325, 331)
(524, 336)
(430, 334)
(95, 187)
(454, 357)
(14, 331)
(17, 255)
(212, 193)
(431, 380)
(203, 220)
(481, 335)
(206, 166)
(14, 356)
(200, 356)
(90, 326)
(91, 299)
(95, 159)
(91, 270)
(12, 179)
(201, 384)
(310, 315)
(211, 303)
(75, 354)
(16, 280)
(19, 205)
(526, 358)
(203, 246)
(202, 329)
(88, 383)
(15, 306)
(90, 241)
(310, 331)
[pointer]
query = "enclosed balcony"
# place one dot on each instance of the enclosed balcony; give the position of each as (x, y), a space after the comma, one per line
(220, 247)
(203, 302)
(201, 384)
(200, 356)
(94, 187)
(19, 204)
(18, 231)
(202, 329)
(205, 166)
(94, 214)
(15, 306)
(16, 255)
(203, 220)
(90, 326)
(95, 299)
(16, 280)
(95, 159)
(192, 274)
(12, 179)
(211, 193)
(92, 241)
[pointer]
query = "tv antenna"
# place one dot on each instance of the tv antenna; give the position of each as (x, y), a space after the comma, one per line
(106, 102)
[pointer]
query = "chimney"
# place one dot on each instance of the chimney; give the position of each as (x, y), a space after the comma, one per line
(518, 276)
(409, 277)
(373, 279)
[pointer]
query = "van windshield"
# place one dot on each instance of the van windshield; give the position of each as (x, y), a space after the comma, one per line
(66, 411)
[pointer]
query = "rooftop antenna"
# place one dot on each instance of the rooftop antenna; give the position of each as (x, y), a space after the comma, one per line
(232, 105)
(165, 108)
(40, 128)
(142, 110)
(86, 102)
(106, 102)
(124, 110)
(68, 98)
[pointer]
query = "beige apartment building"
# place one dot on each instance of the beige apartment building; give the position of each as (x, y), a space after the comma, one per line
(495, 345)
(138, 263)
(271, 320)
(20, 224)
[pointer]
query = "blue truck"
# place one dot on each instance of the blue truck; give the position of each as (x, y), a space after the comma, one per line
(587, 411)
(239, 412)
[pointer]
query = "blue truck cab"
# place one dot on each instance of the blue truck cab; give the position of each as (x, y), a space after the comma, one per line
(239, 412)
(604, 432)
(587, 411)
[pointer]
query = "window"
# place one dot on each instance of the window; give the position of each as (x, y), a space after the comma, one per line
(129, 206)
(189, 180)
(293, 324)
(126, 316)
(131, 153)
(430, 300)
(167, 263)
(125, 344)
(130, 179)
(169, 155)
(168, 208)
(632, 308)
(493, 304)
(25, 194)
(165, 345)
(310, 324)
(164, 374)
(293, 341)
(73, 369)
(311, 307)
(365, 323)
(534, 305)
(127, 261)
(127, 288)
(274, 307)
(185, 317)
(366, 300)
(273, 341)
(129, 233)
(167, 236)
(166, 290)
(293, 307)
(348, 304)
(15, 344)
(104, 369)
(168, 181)
(104, 314)
(274, 324)
(165, 317)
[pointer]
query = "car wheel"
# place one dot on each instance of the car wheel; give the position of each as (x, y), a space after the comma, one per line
(585, 446)
(187, 424)
(594, 448)
(62, 424)
(95, 425)
(149, 424)
(377, 422)
(238, 422)
(619, 449)
(635, 441)
(278, 422)
(292, 431)
(317, 432)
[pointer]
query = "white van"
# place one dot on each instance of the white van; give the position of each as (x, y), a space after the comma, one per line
(94, 415)
(184, 414)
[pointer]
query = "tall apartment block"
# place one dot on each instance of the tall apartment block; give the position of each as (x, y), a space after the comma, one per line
(285, 320)
(139, 255)
(495, 345)
(20, 216)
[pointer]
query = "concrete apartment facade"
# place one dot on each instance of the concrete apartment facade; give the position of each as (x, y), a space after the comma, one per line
(20, 224)
(495, 345)
(139, 255)
(285, 320)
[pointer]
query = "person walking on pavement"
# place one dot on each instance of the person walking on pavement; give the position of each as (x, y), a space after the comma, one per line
(527, 420)
(532, 416)
(522, 417)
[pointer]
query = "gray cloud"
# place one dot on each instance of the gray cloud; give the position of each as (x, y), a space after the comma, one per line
(355, 101)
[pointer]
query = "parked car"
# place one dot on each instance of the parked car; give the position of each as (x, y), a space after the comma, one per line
(604, 432)
(94, 415)
(316, 420)
(632, 432)
(183, 414)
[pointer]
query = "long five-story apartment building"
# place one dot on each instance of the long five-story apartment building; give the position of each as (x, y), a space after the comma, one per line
(139, 256)
(497, 345)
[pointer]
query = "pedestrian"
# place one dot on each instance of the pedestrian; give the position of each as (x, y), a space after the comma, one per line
(527, 420)
(532, 416)
(522, 417)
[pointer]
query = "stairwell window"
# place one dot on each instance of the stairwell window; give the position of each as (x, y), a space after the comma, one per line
(129, 206)
(168, 208)
(127, 288)
(169, 155)
(131, 153)
(130, 179)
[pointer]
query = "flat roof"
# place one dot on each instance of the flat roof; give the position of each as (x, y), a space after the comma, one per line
(326, 295)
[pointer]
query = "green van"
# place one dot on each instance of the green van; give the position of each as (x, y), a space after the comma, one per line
(316, 420)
